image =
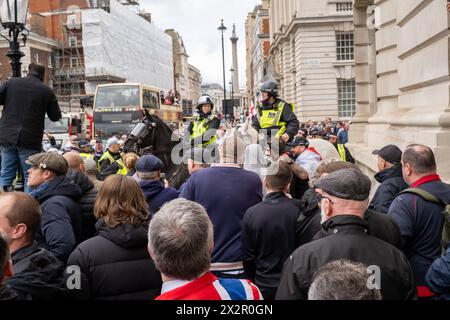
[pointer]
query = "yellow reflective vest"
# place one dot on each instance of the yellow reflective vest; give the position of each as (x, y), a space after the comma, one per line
(199, 129)
(342, 153)
(271, 118)
(108, 156)
(86, 156)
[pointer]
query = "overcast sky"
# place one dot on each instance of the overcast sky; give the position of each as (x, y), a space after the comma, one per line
(197, 22)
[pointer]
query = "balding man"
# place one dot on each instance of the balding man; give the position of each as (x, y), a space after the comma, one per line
(344, 197)
(420, 221)
(87, 201)
(226, 191)
(38, 274)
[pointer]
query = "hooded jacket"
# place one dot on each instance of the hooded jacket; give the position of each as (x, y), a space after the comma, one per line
(156, 194)
(86, 202)
(38, 274)
(115, 265)
(392, 184)
(61, 226)
(346, 237)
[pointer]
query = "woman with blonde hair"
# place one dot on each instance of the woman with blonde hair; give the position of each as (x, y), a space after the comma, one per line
(129, 160)
(115, 264)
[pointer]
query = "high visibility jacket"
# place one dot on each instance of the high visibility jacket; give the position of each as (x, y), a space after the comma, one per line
(271, 118)
(200, 127)
(342, 153)
(106, 155)
(86, 156)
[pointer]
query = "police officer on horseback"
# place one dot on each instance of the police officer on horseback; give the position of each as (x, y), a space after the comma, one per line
(202, 130)
(275, 114)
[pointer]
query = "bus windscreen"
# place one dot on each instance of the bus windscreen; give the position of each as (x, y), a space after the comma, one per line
(117, 96)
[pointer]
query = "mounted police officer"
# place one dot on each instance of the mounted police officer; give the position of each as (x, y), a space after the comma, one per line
(202, 130)
(275, 114)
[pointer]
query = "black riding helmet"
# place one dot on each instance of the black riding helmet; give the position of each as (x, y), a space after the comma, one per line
(270, 87)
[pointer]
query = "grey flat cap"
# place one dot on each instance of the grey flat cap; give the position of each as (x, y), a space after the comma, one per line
(349, 184)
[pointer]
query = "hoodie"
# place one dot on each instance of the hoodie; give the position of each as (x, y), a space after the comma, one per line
(86, 202)
(392, 184)
(61, 226)
(38, 274)
(156, 195)
(115, 265)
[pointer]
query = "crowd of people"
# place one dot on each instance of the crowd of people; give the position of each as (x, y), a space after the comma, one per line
(98, 224)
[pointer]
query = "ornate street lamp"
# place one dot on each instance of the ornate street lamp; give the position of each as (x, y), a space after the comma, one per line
(13, 16)
(222, 29)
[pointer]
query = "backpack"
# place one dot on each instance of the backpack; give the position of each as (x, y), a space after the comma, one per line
(445, 213)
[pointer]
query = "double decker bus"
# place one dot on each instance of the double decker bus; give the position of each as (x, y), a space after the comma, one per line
(119, 106)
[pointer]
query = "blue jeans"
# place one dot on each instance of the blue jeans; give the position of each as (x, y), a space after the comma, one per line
(11, 157)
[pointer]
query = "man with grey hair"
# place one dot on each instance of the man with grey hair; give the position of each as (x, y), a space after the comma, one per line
(343, 280)
(148, 170)
(344, 197)
(180, 243)
(226, 191)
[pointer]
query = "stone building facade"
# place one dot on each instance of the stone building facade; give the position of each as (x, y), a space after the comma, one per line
(402, 78)
(258, 45)
(312, 55)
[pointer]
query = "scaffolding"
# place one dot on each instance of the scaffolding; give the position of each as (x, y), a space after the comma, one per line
(69, 76)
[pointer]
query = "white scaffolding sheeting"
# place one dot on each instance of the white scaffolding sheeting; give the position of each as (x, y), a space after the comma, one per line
(122, 44)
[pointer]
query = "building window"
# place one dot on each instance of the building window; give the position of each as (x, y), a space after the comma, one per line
(36, 57)
(344, 46)
(344, 6)
(73, 62)
(71, 19)
(49, 61)
(73, 41)
(75, 89)
(346, 98)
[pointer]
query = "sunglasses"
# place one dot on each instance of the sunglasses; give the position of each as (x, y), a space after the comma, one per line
(320, 197)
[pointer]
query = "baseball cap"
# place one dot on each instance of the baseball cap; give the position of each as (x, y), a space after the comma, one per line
(390, 153)
(112, 141)
(84, 143)
(298, 141)
(49, 161)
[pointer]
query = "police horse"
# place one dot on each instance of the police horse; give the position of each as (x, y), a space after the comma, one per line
(152, 136)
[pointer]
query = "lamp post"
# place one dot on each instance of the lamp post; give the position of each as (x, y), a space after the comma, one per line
(13, 16)
(222, 29)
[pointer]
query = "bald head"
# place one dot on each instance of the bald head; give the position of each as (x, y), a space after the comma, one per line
(75, 161)
(420, 158)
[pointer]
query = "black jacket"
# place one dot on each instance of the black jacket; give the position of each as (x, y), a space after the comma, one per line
(115, 265)
(268, 238)
(86, 202)
(308, 223)
(38, 274)
(25, 102)
(61, 226)
(292, 123)
(8, 293)
(392, 184)
(309, 226)
(347, 238)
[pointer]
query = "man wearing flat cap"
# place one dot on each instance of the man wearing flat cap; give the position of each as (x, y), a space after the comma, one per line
(61, 226)
(389, 176)
(148, 170)
(344, 198)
